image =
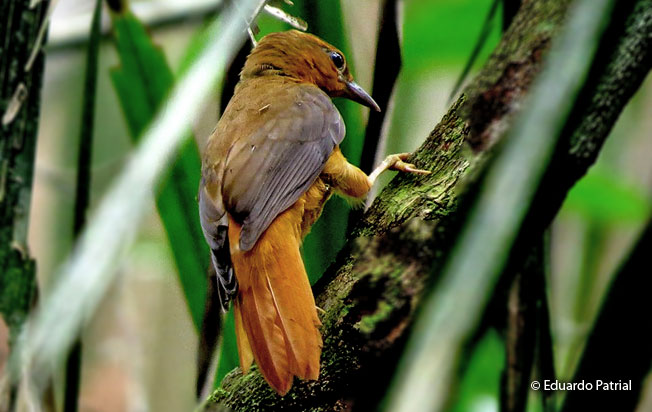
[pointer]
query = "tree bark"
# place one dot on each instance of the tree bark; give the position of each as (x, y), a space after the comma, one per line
(20, 93)
(21, 74)
(371, 292)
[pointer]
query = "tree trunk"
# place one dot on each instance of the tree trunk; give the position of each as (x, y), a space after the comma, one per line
(371, 292)
(21, 74)
(20, 94)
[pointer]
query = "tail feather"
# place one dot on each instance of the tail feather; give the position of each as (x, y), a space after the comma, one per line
(275, 307)
(244, 348)
(299, 324)
(266, 337)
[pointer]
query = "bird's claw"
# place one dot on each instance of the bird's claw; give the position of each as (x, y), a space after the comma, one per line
(397, 162)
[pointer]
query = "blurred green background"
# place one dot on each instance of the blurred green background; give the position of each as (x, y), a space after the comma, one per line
(140, 349)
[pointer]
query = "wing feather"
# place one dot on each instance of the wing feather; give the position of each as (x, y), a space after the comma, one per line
(215, 227)
(269, 170)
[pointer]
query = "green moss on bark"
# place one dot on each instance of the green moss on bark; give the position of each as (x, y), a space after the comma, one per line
(20, 24)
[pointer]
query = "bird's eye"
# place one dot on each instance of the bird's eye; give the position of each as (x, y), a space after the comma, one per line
(337, 60)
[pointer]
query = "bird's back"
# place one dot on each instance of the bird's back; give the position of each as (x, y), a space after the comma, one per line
(269, 147)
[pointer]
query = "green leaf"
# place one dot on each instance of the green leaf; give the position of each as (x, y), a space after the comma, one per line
(480, 384)
(603, 197)
(142, 82)
(477, 48)
(228, 350)
(427, 41)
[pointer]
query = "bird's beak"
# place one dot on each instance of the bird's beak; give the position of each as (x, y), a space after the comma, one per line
(358, 94)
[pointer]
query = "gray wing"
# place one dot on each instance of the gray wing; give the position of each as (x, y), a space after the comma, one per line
(268, 171)
(215, 227)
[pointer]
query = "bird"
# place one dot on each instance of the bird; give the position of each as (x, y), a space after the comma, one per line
(268, 167)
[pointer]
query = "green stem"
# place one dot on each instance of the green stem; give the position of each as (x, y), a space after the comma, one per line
(83, 189)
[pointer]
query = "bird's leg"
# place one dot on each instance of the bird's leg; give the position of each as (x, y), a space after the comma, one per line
(396, 162)
(353, 182)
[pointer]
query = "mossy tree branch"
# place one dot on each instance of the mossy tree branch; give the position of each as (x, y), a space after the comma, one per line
(20, 93)
(372, 291)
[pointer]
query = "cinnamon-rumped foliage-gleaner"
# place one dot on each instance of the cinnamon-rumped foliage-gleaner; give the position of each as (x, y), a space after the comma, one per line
(268, 168)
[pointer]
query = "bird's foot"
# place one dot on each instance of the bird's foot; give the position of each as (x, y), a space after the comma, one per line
(396, 162)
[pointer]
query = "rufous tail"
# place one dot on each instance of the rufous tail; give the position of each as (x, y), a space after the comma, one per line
(276, 319)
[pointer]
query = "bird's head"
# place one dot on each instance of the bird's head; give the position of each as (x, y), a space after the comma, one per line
(308, 58)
